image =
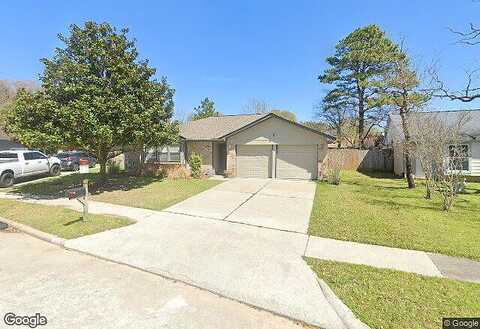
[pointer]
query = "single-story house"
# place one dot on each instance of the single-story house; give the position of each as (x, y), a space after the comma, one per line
(470, 135)
(7, 143)
(250, 145)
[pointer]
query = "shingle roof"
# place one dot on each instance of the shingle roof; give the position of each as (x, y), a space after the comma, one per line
(216, 127)
(470, 128)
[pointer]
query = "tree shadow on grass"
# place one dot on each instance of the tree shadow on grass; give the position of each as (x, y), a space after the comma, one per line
(80, 219)
(459, 205)
(379, 174)
(59, 187)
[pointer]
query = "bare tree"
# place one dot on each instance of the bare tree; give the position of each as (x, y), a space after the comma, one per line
(337, 111)
(333, 165)
(471, 91)
(442, 154)
(257, 106)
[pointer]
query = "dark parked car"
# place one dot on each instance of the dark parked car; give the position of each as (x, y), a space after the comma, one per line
(71, 160)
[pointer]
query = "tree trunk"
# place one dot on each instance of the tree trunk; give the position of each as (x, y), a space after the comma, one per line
(361, 117)
(361, 125)
(408, 141)
(428, 188)
(409, 171)
(102, 160)
(141, 160)
(339, 137)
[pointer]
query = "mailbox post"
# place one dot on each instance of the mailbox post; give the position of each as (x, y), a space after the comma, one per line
(85, 199)
(81, 194)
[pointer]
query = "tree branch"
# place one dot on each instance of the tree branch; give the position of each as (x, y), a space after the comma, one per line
(470, 37)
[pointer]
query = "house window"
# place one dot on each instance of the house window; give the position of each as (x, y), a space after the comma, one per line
(459, 157)
(170, 153)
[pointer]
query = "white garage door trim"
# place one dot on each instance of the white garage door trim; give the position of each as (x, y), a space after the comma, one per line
(254, 161)
(297, 161)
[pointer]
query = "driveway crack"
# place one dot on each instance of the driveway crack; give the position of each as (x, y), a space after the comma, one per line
(246, 200)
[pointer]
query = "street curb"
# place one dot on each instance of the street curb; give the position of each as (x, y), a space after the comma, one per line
(343, 312)
(34, 232)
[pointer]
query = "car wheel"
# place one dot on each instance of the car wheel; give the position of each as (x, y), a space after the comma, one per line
(55, 170)
(75, 167)
(7, 179)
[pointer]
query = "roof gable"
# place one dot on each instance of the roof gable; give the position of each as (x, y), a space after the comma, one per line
(216, 127)
(225, 126)
(470, 128)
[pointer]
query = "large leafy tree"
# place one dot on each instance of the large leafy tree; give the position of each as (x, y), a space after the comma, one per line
(355, 72)
(96, 95)
(152, 125)
(8, 92)
(205, 110)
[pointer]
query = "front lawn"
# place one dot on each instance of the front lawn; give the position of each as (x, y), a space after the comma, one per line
(142, 192)
(398, 300)
(383, 211)
(62, 222)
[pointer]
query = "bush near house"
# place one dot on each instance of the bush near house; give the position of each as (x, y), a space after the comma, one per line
(196, 165)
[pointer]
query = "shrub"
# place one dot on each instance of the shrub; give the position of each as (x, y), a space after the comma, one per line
(113, 167)
(178, 172)
(334, 166)
(195, 165)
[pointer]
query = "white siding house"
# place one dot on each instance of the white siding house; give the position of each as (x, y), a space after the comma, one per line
(470, 134)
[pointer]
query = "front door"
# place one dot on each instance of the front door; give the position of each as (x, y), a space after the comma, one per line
(219, 157)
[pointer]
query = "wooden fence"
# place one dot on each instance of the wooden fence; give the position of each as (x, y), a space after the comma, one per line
(368, 160)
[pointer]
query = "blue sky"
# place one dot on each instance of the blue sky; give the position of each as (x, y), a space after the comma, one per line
(232, 51)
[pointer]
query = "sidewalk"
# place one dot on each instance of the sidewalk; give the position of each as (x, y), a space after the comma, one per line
(413, 261)
(262, 267)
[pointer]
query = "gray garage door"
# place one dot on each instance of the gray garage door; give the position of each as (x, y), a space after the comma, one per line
(297, 161)
(254, 161)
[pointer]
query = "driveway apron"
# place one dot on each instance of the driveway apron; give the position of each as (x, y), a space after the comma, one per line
(196, 242)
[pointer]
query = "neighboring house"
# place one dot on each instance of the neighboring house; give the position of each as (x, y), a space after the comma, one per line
(470, 134)
(7, 143)
(257, 145)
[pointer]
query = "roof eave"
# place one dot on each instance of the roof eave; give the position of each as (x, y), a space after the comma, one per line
(268, 116)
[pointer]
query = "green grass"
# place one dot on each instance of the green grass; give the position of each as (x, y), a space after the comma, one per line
(142, 192)
(62, 222)
(397, 300)
(157, 195)
(383, 211)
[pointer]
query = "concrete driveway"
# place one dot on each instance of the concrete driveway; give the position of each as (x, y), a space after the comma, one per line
(277, 204)
(78, 291)
(261, 267)
(199, 242)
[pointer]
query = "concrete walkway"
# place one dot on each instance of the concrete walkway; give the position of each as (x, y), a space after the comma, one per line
(377, 256)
